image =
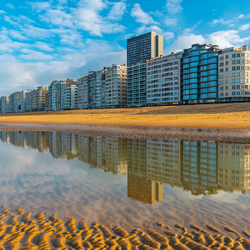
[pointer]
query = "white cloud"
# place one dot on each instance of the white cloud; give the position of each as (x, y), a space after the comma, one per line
(166, 35)
(224, 39)
(30, 55)
(241, 16)
(141, 16)
(9, 20)
(184, 41)
(117, 11)
(9, 5)
(170, 21)
(40, 6)
(222, 21)
(2, 12)
(227, 38)
(42, 46)
(244, 27)
(16, 34)
(174, 6)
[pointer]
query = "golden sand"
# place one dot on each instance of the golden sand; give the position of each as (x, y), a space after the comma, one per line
(228, 116)
(21, 231)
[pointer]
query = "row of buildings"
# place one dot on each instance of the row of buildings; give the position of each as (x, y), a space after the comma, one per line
(203, 73)
(201, 167)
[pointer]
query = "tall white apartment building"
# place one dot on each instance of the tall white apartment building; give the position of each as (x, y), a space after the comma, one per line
(163, 80)
(116, 86)
(83, 91)
(100, 88)
(24, 100)
(5, 104)
(69, 94)
(234, 74)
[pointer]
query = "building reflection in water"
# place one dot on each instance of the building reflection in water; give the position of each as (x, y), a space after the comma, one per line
(201, 167)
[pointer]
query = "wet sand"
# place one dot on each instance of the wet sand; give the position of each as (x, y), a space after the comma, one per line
(239, 135)
(22, 230)
(210, 116)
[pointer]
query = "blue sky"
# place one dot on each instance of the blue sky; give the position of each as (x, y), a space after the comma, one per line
(41, 41)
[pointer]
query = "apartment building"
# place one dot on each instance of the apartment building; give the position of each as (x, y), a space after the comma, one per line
(38, 98)
(28, 101)
(14, 102)
(199, 163)
(164, 161)
(144, 47)
(137, 85)
(101, 88)
(55, 96)
(24, 100)
(163, 80)
(234, 166)
(5, 104)
(116, 86)
(85, 99)
(234, 74)
(199, 74)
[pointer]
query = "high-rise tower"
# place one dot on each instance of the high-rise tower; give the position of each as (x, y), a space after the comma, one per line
(144, 47)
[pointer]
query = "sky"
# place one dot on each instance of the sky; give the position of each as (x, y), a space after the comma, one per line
(42, 41)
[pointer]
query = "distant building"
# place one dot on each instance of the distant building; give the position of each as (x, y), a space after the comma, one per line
(144, 47)
(5, 104)
(38, 98)
(24, 100)
(101, 88)
(234, 73)
(84, 84)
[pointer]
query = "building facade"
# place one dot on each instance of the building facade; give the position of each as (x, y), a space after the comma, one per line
(163, 80)
(116, 86)
(38, 99)
(199, 74)
(144, 47)
(234, 74)
(137, 85)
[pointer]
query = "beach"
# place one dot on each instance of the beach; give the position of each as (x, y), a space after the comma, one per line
(209, 116)
(22, 230)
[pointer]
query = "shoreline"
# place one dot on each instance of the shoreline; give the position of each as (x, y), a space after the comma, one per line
(241, 135)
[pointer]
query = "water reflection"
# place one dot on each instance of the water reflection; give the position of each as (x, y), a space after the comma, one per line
(201, 167)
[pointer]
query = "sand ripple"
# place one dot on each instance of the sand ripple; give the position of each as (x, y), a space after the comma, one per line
(48, 232)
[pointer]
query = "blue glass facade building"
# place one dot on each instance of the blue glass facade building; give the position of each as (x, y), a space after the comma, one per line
(199, 74)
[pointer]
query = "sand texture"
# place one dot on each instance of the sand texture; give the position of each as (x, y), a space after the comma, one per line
(213, 116)
(239, 135)
(20, 230)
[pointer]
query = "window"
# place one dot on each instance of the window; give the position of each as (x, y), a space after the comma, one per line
(226, 81)
(226, 75)
(233, 55)
(233, 61)
(221, 58)
(238, 54)
(221, 70)
(221, 64)
(185, 60)
(221, 82)
(226, 63)
(226, 69)
(226, 87)
(233, 68)
(226, 57)
(221, 76)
